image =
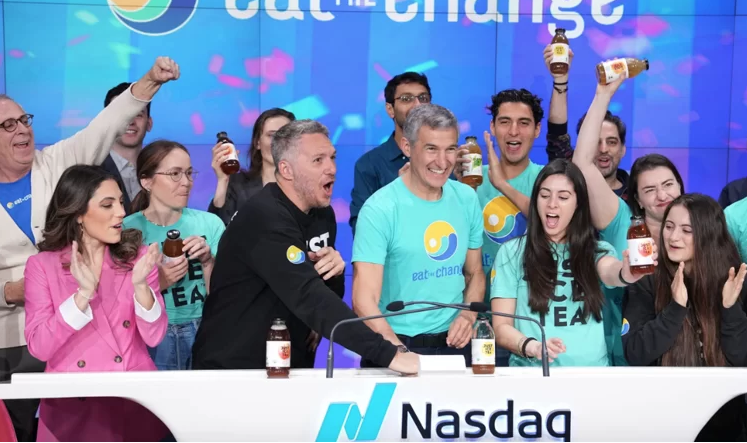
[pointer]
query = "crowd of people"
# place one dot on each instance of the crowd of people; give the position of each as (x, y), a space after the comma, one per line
(87, 285)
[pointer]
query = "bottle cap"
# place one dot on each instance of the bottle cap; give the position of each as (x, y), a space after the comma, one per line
(222, 134)
(470, 137)
(561, 30)
(173, 234)
(646, 62)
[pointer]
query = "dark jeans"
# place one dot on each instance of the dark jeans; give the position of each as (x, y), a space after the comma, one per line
(174, 353)
(429, 344)
(22, 411)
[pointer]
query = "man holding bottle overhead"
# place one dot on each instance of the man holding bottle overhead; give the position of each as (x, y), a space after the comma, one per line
(274, 261)
(419, 238)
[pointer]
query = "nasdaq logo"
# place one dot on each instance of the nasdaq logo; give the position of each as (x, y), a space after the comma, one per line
(357, 426)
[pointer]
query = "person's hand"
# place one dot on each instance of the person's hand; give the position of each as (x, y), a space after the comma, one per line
(14, 292)
(164, 70)
(495, 172)
(460, 330)
(220, 153)
(329, 262)
(144, 265)
(312, 341)
(173, 270)
(87, 280)
(406, 363)
(555, 347)
(548, 58)
(463, 162)
(733, 286)
(403, 169)
(627, 273)
(609, 89)
(196, 247)
(679, 291)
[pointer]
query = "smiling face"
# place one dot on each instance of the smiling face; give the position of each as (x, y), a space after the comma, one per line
(163, 189)
(103, 219)
(433, 157)
(610, 150)
(556, 204)
(657, 188)
(514, 129)
(17, 147)
(678, 235)
(136, 130)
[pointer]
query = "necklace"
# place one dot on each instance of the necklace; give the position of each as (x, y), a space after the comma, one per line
(151, 221)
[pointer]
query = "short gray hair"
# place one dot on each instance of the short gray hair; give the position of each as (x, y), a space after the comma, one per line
(287, 136)
(430, 115)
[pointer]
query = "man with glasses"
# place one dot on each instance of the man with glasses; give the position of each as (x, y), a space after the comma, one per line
(381, 165)
(27, 179)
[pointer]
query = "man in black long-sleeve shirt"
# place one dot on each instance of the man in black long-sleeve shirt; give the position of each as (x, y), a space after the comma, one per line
(275, 260)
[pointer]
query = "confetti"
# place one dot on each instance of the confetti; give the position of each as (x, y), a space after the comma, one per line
(309, 107)
(78, 40)
(248, 116)
(670, 90)
(382, 72)
(422, 67)
(216, 64)
(353, 121)
(336, 136)
(342, 210)
(87, 17)
(690, 117)
(16, 53)
(123, 53)
(234, 82)
(198, 126)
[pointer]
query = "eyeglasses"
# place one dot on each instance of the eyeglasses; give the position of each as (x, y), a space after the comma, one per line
(11, 123)
(422, 98)
(177, 175)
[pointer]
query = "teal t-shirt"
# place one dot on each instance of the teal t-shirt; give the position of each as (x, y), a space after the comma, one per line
(422, 246)
(584, 338)
(183, 299)
(736, 222)
(501, 218)
(616, 233)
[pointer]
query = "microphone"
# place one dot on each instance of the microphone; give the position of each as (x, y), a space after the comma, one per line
(396, 308)
(483, 308)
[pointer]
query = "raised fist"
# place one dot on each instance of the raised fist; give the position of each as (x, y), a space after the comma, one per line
(163, 70)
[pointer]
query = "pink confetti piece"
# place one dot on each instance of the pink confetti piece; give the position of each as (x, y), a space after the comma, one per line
(646, 137)
(78, 40)
(735, 125)
(248, 117)
(234, 82)
(464, 126)
(692, 64)
(72, 119)
(216, 64)
(598, 40)
(690, 117)
(16, 53)
(382, 72)
(670, 90)
(253, 67)
(650, 25)
(380, 97)
(466, 22)
(264, 87)
(738, 143)
(342, 210)
(198, 126)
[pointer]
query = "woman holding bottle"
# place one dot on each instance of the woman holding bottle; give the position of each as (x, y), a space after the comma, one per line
(93, 304)
(160, 210)
(690, 312)
(555, 274)
(233, 190)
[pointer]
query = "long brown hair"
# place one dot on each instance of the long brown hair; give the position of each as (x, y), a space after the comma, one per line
(714, 252)
(540, 260)
(148, 161)
(254, 156)
(69, 201)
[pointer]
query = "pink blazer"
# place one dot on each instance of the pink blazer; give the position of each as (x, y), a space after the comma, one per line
(115, 340)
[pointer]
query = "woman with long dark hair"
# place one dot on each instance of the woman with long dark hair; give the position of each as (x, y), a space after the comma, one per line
(690, 311)
(231, 191)
(554, 273)
(93, 305)
(166, 177)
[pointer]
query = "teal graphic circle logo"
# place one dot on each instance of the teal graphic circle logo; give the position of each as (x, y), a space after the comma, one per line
(153, 17)
(440, 240)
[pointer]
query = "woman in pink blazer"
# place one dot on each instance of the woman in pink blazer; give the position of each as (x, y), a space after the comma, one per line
(93, 304)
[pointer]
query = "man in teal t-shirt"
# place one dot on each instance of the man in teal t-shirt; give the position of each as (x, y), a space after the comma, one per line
(736, 222)
(419, 238)
(584, 338)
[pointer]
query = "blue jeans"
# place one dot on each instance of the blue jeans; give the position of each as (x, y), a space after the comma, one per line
(175, 351)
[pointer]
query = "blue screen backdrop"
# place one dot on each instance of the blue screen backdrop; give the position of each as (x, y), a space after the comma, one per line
(330, 60)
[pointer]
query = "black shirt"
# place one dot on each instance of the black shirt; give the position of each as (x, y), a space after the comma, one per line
(255, 280)
(240, 189)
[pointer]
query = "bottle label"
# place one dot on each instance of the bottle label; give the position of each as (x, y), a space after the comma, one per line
(231, 155)
(483, 351)
(641, 251)
(167, 259)
(560, 53)
(278, 354)
(613, 69)
(475, 165)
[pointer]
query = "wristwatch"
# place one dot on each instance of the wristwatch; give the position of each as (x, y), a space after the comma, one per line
(402, 348)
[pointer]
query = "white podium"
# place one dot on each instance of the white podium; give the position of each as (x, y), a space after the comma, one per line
(573, 404)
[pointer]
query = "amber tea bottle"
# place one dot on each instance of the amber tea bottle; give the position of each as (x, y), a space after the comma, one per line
(473, 174)
(611, 70)
(483, 347)
(173, 246)
(277, 359)
(231, 165)
(640, 247)
(560, 56)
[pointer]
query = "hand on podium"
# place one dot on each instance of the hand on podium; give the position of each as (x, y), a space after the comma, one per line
(406, 363)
